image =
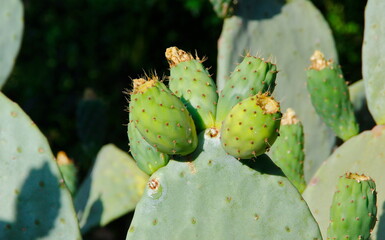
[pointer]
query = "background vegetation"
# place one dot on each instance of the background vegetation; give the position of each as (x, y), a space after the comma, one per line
(69, 46)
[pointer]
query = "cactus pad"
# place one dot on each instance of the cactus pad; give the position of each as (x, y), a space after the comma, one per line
(11, 31)
(35, 204)
(111, 190)
(217, 197)
(251, 127)
(190, 81)
(161, 117)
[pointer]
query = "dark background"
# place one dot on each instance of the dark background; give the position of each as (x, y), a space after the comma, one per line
(72, 45)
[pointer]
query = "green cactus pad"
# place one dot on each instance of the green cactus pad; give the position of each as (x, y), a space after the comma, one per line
(373, 61)
(11, 31)
(251, 127)
(35, 204)
(217, 197)
(68, 170)
(289, 31)
(252, 76)
(363, 153)
(161, 117)
(224, 8)
(191, 82)
(111, 190)
(353, 210)
(330, 96)
(148, 158)
(287, 151)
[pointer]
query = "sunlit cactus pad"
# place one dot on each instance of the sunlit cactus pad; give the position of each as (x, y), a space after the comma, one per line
(217, 197)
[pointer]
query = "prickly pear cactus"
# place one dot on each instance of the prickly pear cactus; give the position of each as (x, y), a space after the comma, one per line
(111, 190)
(354, 208)
(251, 127)
(373, 61)
(11, 31)
(287, 151)
(35, 204)
(330, 96)
(217, 197)
(151, 107)
(363, 153)
(289, 31)
(190, 81)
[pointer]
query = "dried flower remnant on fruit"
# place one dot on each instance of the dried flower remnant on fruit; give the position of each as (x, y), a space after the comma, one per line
(318, 61)
(141, 84)
(289, 117)
(175, 55)
(267, 104)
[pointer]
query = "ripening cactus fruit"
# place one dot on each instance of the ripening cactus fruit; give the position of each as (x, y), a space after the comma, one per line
(288, 150)
(161, 117)
(147, 157)
(251, 126)
(68, 170)
(191, 82)
(353, 210)
(330, 96)
(252, 76)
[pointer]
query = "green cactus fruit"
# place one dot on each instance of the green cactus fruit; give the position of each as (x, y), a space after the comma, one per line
(11, 32)
(251, 126)
(224, 8)
(34, 202)
(161, 117)
(330, 96)
(258, 26)
(68, 171)
(362, 153)
(252, 76)
(191, 82)
(112, 188)
(148, 158)
(353, 210)
(373, 61)
(288, 150)
(217, 197)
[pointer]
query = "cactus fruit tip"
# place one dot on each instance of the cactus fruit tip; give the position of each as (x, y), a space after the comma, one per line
(63, 159)
(318, 61)
(289, 117)
(141, 84)
(175, 56)
(268, 104)
(357, 177)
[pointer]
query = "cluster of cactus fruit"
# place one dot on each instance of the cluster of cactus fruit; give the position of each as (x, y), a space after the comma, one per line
(166, 122)
(202, 149)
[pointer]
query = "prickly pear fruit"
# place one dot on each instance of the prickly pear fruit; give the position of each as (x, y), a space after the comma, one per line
(353, 211)
(190, 81)
(253, 75)
(148, 158)
(161, 117)
(251, 126)
(288, 150)
(68, 170)
(330, 96)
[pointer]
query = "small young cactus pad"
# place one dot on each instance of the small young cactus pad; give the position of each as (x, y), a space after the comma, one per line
(190, 81)
(353, 211)
(161, 117)
(251, 126)
(330, 96)
(287, 151)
